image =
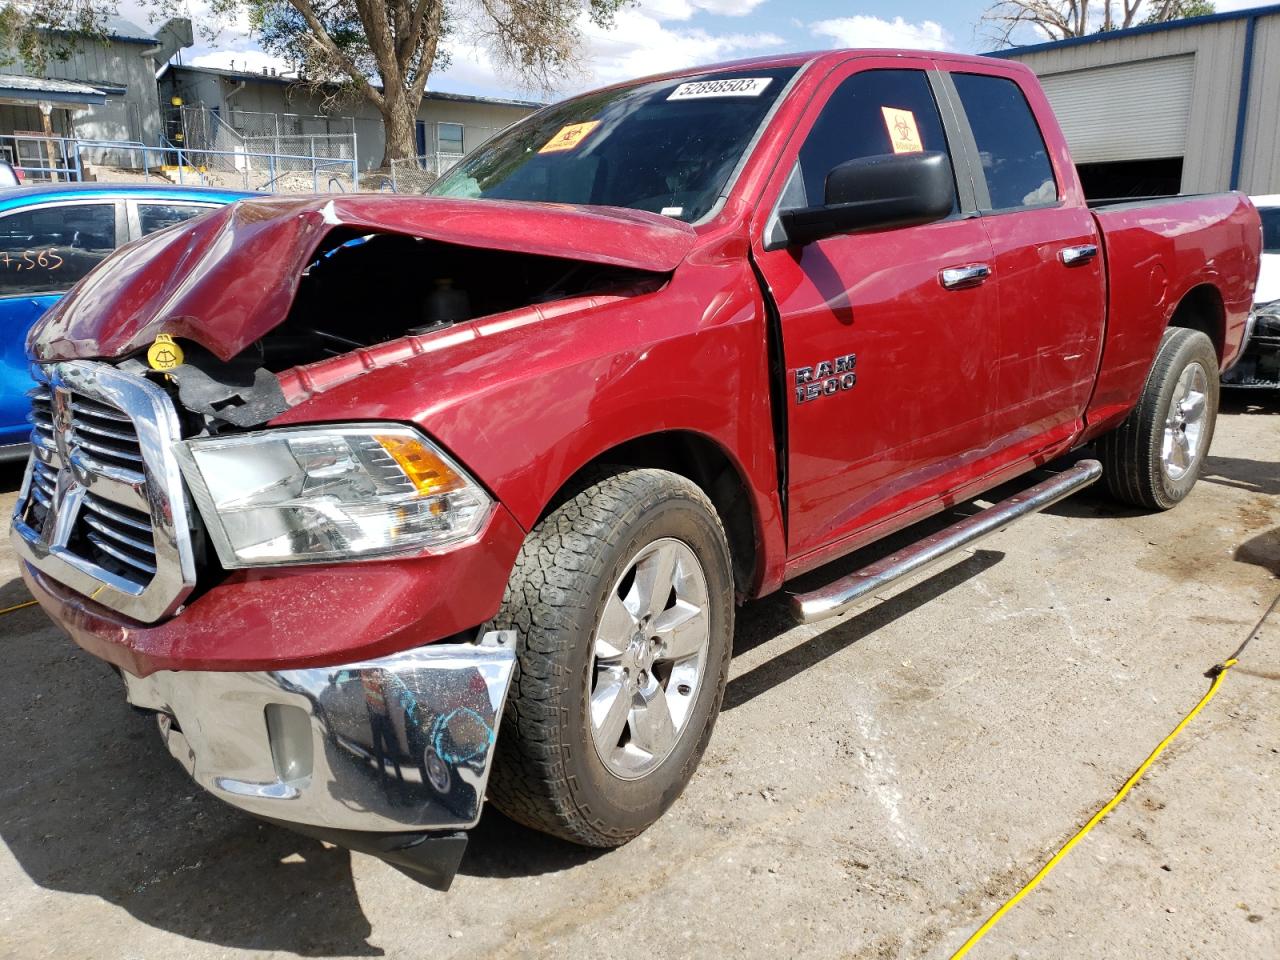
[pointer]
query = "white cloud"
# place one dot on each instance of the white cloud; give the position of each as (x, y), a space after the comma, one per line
(864, 31)
(645, 39)
(640, 44)
(651, 37)
(684, 9)
(728, 8)
(667, 9)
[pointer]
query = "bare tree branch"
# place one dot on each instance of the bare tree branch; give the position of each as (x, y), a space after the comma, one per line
(1060, 19)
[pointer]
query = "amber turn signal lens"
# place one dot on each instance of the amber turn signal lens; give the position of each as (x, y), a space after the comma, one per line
(421, 465)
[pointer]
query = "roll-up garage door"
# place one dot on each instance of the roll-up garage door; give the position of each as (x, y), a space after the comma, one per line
(1130, 111)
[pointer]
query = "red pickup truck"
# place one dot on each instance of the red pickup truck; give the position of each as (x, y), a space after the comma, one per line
(338, 483)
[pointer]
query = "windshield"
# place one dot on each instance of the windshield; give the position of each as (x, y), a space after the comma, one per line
(667, 147)
(1270, 229)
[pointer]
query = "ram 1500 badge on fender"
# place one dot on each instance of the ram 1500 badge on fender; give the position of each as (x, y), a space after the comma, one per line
(444, 497)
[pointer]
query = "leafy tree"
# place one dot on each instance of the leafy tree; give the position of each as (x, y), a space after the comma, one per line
(1179, 10)
(383, 51)
(1060, 19)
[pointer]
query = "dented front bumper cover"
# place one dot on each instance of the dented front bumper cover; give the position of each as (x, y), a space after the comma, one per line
(389, 756)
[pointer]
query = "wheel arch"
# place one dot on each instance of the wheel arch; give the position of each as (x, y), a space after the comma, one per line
(1202, 308)
(706, 462)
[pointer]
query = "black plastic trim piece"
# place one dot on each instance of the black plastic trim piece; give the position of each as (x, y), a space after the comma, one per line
(430, 858)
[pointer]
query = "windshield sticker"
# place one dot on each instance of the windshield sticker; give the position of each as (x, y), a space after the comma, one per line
(903, 134)
(569, 137)
(737, 87)
(671, 211)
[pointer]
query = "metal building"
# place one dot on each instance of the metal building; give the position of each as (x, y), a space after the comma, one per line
(121, 68)
(1189, 106)
(278, 113)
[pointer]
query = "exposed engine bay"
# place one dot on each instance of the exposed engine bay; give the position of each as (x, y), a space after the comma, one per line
(363, 289)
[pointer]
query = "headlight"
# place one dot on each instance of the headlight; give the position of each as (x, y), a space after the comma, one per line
(306, 494)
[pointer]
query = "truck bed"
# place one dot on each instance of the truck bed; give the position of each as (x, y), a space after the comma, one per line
(1159, 250)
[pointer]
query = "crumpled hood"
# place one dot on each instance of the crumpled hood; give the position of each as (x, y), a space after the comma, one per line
(226, 279)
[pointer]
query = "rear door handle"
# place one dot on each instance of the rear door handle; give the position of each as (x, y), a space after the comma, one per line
(969, 275)
(1081, 254)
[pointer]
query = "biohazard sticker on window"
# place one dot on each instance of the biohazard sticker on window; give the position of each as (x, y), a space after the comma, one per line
(730, 87)
(903, 134)
(568, 137)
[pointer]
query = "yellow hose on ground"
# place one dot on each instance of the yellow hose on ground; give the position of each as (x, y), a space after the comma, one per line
(1218, 674)
(17, 606)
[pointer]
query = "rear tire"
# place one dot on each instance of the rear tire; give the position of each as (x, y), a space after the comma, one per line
(620, 673)
(1153, 458)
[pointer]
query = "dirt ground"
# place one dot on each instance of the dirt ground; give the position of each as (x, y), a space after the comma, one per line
(875, 787)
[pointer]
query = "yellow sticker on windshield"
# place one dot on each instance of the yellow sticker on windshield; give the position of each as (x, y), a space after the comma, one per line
(902, 130)
(569, 137)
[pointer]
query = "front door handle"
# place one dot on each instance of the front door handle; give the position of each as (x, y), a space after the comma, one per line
(969, 275)
(1081, 254)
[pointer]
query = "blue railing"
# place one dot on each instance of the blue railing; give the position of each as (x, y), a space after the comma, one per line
(65, 159)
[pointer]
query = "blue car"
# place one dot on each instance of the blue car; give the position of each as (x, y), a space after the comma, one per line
(50, 237)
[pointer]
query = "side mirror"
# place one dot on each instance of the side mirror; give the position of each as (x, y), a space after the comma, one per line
(876, 193)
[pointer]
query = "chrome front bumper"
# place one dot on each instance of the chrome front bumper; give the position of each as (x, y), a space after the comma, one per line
(396, 744)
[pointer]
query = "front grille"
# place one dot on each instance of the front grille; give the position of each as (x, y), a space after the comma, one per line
(44, 481)
(105, 434)
(102, 508)
(41, 417)
(116, 539)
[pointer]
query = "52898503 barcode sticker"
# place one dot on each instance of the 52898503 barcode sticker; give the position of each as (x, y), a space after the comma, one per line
(729, 87)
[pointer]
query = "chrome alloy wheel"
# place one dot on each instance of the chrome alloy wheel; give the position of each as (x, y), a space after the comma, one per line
(650, 655)
(1184, 425)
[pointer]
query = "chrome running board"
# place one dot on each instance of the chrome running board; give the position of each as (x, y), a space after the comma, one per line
(839, 597)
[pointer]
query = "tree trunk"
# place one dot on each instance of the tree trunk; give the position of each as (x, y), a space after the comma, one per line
(399, 116)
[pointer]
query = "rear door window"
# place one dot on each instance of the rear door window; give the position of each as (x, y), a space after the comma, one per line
(1014, 159)
(47, 249)
(157, 216)
(870, 114)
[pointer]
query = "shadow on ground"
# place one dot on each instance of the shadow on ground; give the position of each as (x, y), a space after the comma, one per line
(107, 813)
(94, 805)
(1262, 551)
(1251, 401)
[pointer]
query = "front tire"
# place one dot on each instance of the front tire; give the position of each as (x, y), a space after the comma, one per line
(1153, 458)
(623, 601)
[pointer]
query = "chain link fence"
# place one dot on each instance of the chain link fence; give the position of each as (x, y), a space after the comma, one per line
(268, 148)
(416, 174)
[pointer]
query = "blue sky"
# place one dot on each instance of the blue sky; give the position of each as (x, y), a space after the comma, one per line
(656, 35)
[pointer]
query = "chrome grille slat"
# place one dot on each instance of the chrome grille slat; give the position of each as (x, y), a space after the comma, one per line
(123, 539)
(104, 449)
(125, 487)
(118, 515)
(122, 556)
(85, 427)
(92, 408)
(42, 479)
